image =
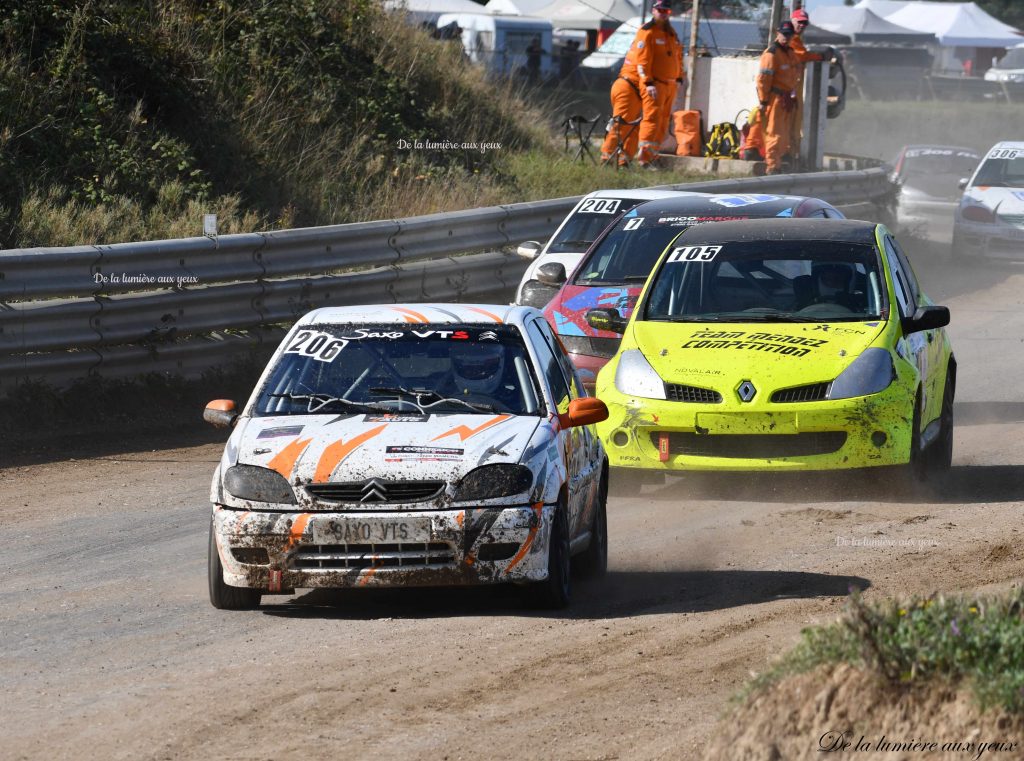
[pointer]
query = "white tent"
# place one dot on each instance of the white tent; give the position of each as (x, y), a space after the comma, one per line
(427, 11)
(864, 25)
(517, 7)
(954, 24)
(587, 14)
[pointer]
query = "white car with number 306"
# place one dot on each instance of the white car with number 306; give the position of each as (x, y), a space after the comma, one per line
(989, 221)
(413, 445)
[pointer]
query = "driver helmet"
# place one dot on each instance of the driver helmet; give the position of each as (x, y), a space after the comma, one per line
(833, 278)
(478, 368)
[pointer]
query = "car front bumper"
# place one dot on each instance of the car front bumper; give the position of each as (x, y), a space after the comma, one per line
(664, 435)
(276, 551)
(989, 240)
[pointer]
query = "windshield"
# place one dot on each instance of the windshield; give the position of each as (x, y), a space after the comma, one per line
(1002, 168)
(629, 252)
(337, 369)
(768, 281)
(619, 42)
(1014, 59)
(924, 162)
(587, 222)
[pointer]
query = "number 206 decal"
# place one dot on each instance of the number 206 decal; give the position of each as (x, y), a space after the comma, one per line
(599, 206)
(694, 253)
(322, 347)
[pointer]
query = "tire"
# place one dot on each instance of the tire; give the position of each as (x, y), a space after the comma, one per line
(917, 467)
(956, 250)
(940, 453)
(594, 561)
(222, 596)
(556, 590)
(627, 482)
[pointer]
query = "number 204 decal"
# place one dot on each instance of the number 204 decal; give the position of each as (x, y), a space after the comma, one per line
(694, 253)
(599, 206)
(319, 346)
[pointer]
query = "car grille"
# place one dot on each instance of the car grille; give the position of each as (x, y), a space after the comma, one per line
(357, 556)
(815, 392)
(677, 392)
(1017, 220)
(754, 445)
(376, 491)
(591, 347)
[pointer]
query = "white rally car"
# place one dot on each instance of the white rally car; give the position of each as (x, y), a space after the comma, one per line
(409, 445)
(989, 221)
(581, 227)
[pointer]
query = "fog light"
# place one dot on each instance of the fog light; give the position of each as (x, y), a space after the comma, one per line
(878, 438)
(620, 438)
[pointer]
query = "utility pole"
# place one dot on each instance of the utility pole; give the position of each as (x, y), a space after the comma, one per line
(643, 12)
(776, 20)
(691, 68)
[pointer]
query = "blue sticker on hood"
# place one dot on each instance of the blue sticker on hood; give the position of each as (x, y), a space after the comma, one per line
(630, 213)
(785, 213)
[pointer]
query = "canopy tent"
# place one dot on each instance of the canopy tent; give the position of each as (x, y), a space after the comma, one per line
(817, 34)
(428, 11)
(586, 14)
(954, 24)
(517, 7)
(864, 25)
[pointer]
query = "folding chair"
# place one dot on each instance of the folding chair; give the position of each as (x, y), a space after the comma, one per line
(580, 129)
(620, 138)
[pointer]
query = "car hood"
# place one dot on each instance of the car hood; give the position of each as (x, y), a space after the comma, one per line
(323, 448)
(568, 310)
(1004, 201)
(722, 355)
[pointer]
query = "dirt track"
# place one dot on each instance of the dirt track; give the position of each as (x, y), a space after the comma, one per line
(111, 649)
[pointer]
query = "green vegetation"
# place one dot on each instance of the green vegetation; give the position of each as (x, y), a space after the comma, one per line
(127, 121)
(978, 641)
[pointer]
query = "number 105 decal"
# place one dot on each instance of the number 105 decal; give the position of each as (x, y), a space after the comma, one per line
(322, 347)
(694, 253)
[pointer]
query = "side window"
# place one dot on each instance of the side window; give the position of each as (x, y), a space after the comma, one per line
(908, 272)
(899, 280)
(833, 213)
(817, 214)
(576, 387)
(550, 368)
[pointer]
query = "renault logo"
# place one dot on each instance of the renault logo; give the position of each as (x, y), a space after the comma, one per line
(746, 391)
(373, 491)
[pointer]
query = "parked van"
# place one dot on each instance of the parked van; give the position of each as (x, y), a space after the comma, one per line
(499, 42)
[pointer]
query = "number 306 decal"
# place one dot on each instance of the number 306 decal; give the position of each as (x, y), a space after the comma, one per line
(694, 254)
(599, 206)
(1004, 153)
(322, 347)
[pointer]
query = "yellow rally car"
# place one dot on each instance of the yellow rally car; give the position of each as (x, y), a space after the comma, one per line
(794, 344)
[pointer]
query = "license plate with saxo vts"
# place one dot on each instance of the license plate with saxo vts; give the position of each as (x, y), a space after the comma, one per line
(381, 530)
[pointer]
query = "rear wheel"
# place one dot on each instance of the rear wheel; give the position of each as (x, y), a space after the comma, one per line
(956, 249)
(594, 561)
(556, 590)
(918, 465)
(222, 596)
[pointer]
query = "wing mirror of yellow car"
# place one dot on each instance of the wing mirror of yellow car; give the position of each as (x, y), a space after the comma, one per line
(584, 411)
(926, 318)
(607, 319)
(221, 413)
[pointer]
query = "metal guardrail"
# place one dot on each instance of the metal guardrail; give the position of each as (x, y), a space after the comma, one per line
(164, 306)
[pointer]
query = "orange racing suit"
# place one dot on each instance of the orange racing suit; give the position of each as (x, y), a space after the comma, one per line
(776, 86)
(626, 104)
(659, 62)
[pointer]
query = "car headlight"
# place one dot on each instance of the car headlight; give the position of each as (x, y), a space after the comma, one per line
(870, 373)
(490, 481)
(258, 484)
(634, 376)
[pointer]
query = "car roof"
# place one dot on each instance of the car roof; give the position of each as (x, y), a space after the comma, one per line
(839, 230)
(647, 194)
(421, 314)
(1018, 144)
(930, 146)
(723, 204)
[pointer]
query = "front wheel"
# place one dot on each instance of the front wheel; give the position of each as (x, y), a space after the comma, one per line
(940, 453)
(222, 596)
(556, 590)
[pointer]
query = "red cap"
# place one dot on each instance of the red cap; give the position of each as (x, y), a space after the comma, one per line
(800, 15)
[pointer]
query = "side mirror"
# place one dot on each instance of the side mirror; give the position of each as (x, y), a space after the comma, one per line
(962, 182)
(221, 413)
(607, 319)
(529, 249)
(552, 273)
(584, 411)
(926, 318)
